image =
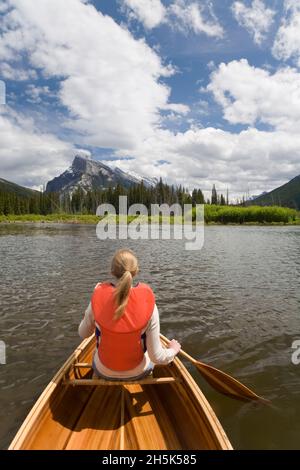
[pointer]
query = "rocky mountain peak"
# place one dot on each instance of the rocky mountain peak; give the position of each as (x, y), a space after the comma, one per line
(89, 174)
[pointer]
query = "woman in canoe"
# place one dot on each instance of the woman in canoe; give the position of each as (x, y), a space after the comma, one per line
(126, 320)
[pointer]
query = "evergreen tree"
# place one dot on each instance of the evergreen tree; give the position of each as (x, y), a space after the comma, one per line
(222, 200)
(214, 195)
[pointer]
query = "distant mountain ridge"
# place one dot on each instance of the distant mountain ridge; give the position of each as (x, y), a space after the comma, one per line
(89, 174)
(21, 191)
(287, 195)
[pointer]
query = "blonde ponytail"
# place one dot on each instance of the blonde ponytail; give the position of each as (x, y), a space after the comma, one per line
(122, 293)
(124, 267)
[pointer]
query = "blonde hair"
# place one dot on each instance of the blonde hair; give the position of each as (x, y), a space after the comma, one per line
(124, 267)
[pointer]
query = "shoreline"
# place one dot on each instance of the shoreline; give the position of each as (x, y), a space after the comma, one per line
(93, 220)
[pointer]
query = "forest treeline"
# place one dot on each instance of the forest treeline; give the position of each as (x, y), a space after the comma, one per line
(85, 203)
(82, 202)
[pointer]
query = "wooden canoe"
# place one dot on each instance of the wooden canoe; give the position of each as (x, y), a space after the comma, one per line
(166, 411)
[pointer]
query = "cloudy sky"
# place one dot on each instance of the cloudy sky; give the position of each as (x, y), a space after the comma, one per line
(196, 91)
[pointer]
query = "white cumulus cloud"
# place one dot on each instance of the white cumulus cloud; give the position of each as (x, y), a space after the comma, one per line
(256, 18)
(150, 12)
(250, 160)
(191, 16)
(28, 156)
(250, 95)
(9, 72)
(37, 94)
(109, 81)
(287, 41)
(182, 15)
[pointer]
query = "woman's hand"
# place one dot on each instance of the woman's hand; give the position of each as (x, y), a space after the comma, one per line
(175, 346)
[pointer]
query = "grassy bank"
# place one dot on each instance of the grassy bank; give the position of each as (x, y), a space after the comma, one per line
(250, 215)
(74, 219)
(54, 218)
(255, 215)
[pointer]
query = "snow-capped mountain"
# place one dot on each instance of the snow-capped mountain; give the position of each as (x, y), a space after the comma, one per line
(135, 177)
(89, 174)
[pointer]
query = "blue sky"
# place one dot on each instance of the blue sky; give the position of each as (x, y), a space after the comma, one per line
(192, 54)
(199, 92)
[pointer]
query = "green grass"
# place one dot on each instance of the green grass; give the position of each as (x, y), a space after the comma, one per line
(54, 218)
(213, 215)
(57, 218)
(250, 215)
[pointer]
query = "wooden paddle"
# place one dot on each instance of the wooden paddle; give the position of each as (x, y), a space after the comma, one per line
(221, 381)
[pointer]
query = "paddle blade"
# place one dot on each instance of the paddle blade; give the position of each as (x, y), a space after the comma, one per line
(226, 384)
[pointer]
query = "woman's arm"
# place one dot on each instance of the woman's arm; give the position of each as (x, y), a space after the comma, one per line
(87, 325)
(157, 353)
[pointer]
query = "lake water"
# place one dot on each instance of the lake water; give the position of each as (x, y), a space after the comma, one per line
(234, 304)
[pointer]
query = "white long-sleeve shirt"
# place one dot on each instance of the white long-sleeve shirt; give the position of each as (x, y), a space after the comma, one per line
(155, 353)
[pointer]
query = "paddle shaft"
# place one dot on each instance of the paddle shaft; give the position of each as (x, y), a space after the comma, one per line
(221, 381)
(181, 352)
(187, 356)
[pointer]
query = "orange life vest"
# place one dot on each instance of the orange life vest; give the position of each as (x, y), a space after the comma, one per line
(120, 347)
